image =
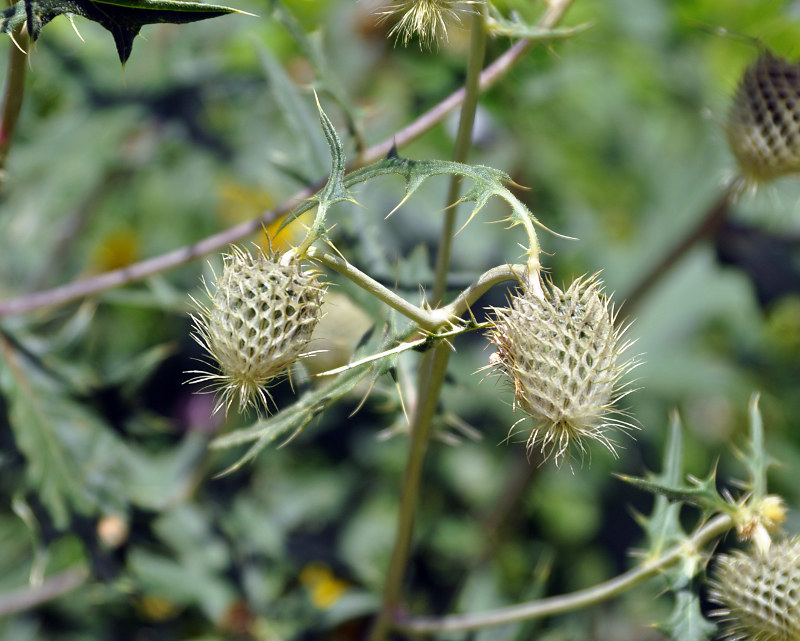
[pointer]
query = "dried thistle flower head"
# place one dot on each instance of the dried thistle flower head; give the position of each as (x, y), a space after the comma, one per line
(259, 320)
(759, 592)
(428, 19)
(763, 125)
(564, 356)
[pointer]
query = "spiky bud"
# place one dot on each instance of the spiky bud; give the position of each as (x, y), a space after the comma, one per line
(763, 125)
(427, 19)
(564, 357)
(260, 318)
(759, 592)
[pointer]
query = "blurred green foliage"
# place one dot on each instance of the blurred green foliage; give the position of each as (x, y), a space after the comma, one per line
(617, 132)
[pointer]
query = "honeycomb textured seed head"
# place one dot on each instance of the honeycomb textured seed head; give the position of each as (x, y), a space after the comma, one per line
(564, 357)
(759, 593)
(763, 126)
(259, 320)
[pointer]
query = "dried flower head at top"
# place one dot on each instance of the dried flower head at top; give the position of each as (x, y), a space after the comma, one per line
(564, 357)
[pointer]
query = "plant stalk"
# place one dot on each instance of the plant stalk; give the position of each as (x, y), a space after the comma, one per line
(434, 364)
(573, 601)
(13, 92)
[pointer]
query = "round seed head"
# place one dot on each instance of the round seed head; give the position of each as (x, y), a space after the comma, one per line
(563, 355)
(259, 320)
(759, 592)
(763, 125)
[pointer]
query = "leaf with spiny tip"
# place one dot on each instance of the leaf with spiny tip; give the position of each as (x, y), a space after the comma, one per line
(123, 18)
(663, 526)
(687, 623)
(702, 493)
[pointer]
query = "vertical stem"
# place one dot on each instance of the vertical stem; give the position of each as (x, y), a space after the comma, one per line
(462, 145)
(434, 363)
(13, 91)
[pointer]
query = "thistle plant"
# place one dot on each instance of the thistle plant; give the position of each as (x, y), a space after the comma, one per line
(260, 318)
(563, 354)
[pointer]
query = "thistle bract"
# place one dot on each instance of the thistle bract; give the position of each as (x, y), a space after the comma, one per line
(259, 320)
(763, 126)
(563, 355)
(759, 592)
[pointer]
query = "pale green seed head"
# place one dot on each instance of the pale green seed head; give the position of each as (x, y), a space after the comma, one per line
(763, 125)
(259, 321)
(759, 592)
(564, 357)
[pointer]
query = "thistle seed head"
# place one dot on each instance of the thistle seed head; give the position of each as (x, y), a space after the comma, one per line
(563, 355)
(428, 19)
(763, 125)
(759, 592)
(259, 320)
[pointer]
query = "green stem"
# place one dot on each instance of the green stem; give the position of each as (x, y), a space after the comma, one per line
(428, 321)
(462, 145)
(434, 363)
(574, 601)
(13, 91)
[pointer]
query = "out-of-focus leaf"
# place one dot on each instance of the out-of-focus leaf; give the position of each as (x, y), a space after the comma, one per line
(64, 443)
(687, 623)
(123, 18)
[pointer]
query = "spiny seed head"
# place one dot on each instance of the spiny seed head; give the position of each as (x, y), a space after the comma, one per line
(564, 357)
(427, 19)
(763, 125)
(259, 320)
(759, 592)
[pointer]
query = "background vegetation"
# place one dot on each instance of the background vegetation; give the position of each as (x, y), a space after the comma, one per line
(104, 463)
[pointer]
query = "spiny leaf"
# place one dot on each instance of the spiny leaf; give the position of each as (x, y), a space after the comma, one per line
(663, 526)
(687, 623)
(123, 18)
(702, 493)
(335, 189)
(293, 419)
(500, 26)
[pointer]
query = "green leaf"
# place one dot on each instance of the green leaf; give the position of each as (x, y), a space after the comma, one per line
(663, 526)
(297, 416)
(123, 18)
(62, 441)
(687, 623)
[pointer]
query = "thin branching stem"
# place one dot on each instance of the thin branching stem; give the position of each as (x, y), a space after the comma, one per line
(575, 600)
(31, 597)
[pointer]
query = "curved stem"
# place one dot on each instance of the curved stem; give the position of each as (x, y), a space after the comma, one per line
(425, 320)
(705, 228)
(568, 602)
